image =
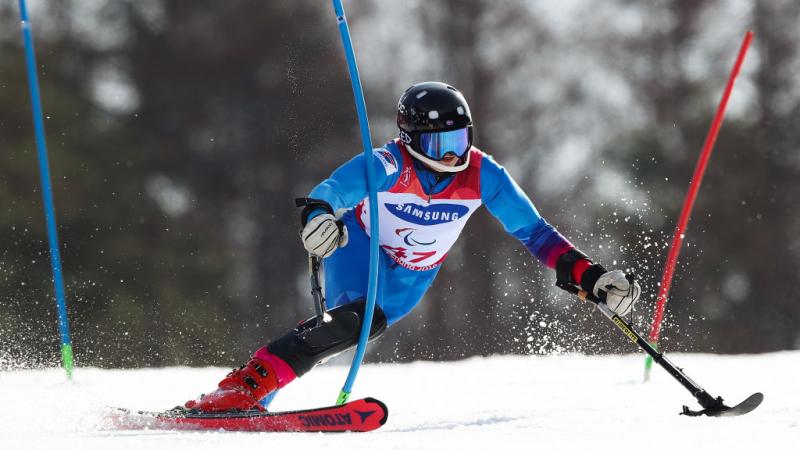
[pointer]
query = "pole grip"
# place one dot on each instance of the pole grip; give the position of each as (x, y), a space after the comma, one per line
(316, 289)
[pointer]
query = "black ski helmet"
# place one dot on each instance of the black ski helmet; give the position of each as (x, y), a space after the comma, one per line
(432, 107)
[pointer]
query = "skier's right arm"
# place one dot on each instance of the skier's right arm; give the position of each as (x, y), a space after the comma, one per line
(321, 232)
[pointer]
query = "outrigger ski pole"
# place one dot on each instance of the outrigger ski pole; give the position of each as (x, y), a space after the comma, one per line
(711, 406)
(316, 289)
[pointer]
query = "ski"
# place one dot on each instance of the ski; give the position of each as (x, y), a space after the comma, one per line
(365, 414)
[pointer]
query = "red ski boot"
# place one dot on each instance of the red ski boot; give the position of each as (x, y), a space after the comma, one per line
(241, 389)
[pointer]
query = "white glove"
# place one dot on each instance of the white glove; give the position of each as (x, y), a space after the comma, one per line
(322, 235)
(620, 295)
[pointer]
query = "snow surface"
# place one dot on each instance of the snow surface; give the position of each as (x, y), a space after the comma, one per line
(500, 402)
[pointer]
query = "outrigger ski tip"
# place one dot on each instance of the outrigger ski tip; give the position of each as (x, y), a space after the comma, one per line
(719, 409)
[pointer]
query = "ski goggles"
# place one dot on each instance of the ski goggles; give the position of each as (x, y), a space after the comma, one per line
(436, 145)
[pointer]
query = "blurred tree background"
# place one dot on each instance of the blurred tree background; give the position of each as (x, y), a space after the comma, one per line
(179, 133)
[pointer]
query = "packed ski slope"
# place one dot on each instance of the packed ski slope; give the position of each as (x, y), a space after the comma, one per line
(557, 402)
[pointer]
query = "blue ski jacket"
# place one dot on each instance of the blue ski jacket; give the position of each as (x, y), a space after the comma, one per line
(401, 288)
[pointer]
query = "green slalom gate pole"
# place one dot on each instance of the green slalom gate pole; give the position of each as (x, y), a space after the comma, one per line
(374, 257)
(47, 190)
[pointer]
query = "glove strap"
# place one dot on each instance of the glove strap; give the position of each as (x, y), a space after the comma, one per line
(564, 265)
(590, 277)
(310, 205)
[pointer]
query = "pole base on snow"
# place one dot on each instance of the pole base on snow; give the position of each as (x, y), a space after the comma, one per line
(66, 359)
(343, 397)
(648, 362)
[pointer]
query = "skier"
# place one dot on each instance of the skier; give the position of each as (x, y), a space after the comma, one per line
(429, 181)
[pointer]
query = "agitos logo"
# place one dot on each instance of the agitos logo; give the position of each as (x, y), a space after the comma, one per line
(427, 215)
(406, 234)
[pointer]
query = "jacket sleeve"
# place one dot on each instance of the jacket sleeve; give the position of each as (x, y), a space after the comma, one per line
(508, 203)
(347, 185)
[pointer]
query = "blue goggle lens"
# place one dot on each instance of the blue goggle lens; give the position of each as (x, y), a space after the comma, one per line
(436, 145)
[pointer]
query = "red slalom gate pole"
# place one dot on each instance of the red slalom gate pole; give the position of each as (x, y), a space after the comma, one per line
(688, 203)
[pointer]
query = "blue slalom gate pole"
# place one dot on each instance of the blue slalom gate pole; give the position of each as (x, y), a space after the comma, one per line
(366, 140)
(47, 190)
